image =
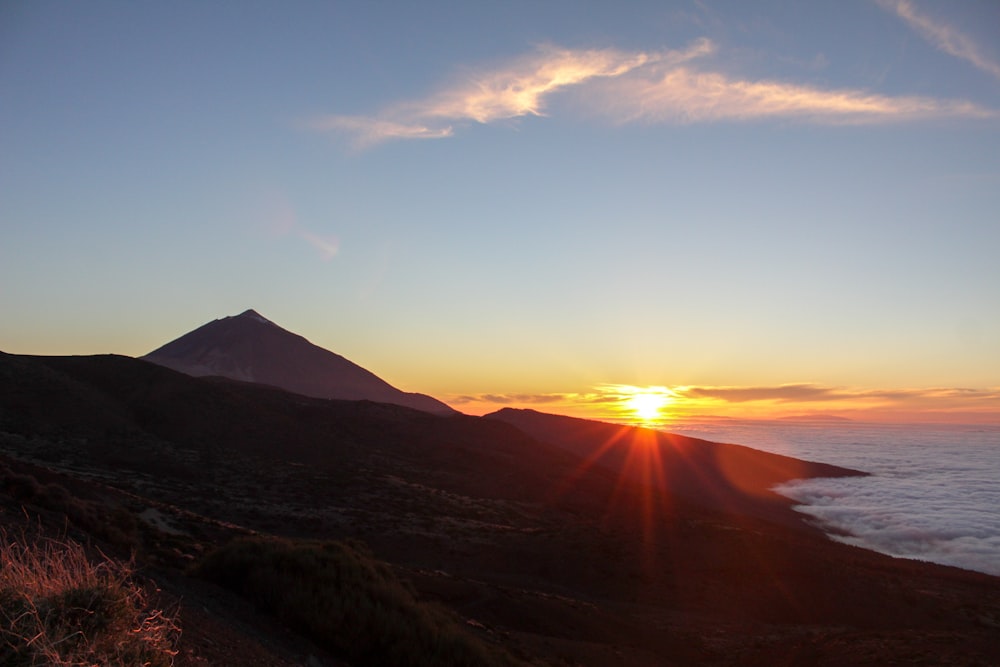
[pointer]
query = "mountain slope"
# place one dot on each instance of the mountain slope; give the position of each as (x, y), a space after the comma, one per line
(710, 473)
(251, 348)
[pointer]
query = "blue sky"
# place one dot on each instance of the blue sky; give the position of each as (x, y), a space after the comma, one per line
(521, 203)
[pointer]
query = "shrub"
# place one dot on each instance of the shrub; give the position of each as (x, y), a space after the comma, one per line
(21, 487)
(337, 594)
(59, 608)
(114, 524)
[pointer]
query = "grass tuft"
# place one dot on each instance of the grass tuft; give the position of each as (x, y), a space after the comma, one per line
(59, 608)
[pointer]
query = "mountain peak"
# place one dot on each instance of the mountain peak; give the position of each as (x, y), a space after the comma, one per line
(251, 314)
(239, 348)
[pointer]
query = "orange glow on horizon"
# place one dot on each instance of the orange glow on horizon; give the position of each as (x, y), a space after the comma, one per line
(660, 407)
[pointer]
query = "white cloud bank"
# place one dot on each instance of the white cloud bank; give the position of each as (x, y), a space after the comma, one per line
(929, 510)
(932, 494)
(630, 86)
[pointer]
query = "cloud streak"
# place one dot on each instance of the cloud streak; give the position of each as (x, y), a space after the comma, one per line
(281, 220)
(686, 95)
(516, 89)
(370, 131)
(569, 398)
(521, 89)
(943, 36)
(669, 86)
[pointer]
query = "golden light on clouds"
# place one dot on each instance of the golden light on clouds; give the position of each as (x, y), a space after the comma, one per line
(661, 406)
(520, 89)
(667, 86)
(688, 95)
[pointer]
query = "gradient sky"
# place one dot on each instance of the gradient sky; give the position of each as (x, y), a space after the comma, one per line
(763, 208)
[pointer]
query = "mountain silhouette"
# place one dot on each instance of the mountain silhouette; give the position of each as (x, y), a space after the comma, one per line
(251, 348)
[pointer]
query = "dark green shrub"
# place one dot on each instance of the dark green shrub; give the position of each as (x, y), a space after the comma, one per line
(337, 594)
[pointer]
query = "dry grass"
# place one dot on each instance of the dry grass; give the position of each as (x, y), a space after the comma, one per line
(57, 607)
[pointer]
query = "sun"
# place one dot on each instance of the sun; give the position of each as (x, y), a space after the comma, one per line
(646, 406)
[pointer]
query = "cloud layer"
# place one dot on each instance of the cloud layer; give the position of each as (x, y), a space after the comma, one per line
(670, 86)
(931, 496)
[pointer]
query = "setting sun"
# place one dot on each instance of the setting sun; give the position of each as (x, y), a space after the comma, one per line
(646, 405)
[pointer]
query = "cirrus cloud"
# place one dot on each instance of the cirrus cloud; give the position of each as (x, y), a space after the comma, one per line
(687, 95)
(515, 89)
(943, 36)
(667, 86)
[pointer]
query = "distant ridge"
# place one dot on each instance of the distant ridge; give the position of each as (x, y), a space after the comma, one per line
(251, 348)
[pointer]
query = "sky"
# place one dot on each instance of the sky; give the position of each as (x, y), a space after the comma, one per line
(657, 209)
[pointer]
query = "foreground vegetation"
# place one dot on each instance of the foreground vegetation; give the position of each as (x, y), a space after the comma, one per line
(58, 607)
(113, 524)
(337, 594)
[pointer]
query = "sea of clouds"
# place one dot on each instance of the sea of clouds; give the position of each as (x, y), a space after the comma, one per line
(933, 493)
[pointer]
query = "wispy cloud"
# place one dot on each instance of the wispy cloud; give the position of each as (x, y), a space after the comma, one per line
(369, 131)
(281, 220)
(687, 95)
(669, 86)
(519, 88)
(327, 246)
(943, 36)
(569, 398)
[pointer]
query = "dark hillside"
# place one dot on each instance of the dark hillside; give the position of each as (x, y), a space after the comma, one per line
(545, 544)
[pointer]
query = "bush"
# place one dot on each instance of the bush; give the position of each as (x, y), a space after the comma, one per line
(114, 524)
(337, 594)
(58, 608)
